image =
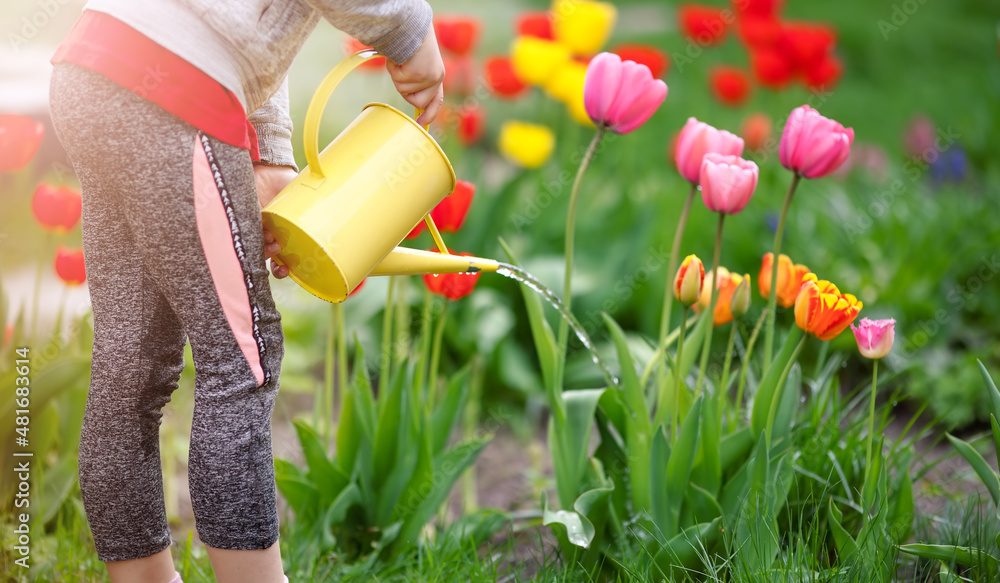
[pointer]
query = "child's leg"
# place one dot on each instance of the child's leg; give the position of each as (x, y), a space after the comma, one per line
(190, 202)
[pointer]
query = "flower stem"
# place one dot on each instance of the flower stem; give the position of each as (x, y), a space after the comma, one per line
(568, 252)
(707, 346)
(46, 246)
(660, 351)
(338, 310)
(871, 419)
(746, 363)
(436, 357)
(425, 343)
(729, 356)
(387, 336)
(324, 409)
(675, 249)
(675, 413)
(772, 299)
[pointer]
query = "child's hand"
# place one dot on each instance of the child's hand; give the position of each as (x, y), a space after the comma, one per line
(270, 181)
(419, 79)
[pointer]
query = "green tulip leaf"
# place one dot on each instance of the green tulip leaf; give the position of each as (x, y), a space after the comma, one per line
(679, 466)
(684, 552)
(983, 469)
(574, 524)
(447, 413)
(569, 441)
(991, 388)
(965, 556)
(766, 391)
(846, 546)
(541, 331)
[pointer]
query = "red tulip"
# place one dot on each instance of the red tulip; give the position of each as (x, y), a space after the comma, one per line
(450, 213)
(453, 286)
(806, 43)
(502, 80)
(770, 67)
(705, 25)
(657, 60)
(730, 85)
(353, 45)
(825, 74)
(457, 34)
(57, 209)
(766, 8)
(535, 24)
(757, 31)
(471, 124)
(416, 230)
(460, 74)
(69, 265)
(357, 289)
(20, 137)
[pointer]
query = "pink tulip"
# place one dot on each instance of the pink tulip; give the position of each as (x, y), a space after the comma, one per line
(620, 95)
(812, 145)
(874, 337)
(727, 182)
(697, 139)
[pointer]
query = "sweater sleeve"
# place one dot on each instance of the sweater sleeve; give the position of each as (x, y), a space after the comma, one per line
(273, 125)
(394, 28)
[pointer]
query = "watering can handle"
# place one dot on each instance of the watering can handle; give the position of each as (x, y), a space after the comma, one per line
(428, 220)
(310, 131)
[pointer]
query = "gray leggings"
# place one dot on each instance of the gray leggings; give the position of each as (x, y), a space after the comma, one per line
(173, 248)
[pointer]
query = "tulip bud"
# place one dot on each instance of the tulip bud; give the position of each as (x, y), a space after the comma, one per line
(741, 298)
(689, 280)
(875, 337)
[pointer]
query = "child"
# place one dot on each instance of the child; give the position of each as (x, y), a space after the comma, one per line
(149, 100)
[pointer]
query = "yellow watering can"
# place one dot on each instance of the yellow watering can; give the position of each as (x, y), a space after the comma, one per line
(341, 219)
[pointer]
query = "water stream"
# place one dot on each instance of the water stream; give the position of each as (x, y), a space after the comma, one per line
(518, 274)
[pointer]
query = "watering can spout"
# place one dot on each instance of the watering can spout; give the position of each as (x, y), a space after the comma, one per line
(406, 261)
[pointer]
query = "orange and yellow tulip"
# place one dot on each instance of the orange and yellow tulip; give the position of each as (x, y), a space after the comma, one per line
(689, 280)
(790, 279)
(728, 282)
(824, 312)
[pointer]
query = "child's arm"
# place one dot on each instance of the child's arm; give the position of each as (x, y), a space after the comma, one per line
(273, 125)
(401, 30)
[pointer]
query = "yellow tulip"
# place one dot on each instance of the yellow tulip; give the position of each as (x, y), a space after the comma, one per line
(566, 85)
(566, 81)
(526, 144)
(535, 59)
(578, 112)
(582, 25)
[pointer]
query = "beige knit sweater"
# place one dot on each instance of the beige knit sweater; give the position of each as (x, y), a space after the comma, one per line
(248, 45)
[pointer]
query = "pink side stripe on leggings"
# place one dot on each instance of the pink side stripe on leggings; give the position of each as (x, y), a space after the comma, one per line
(217, 242)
